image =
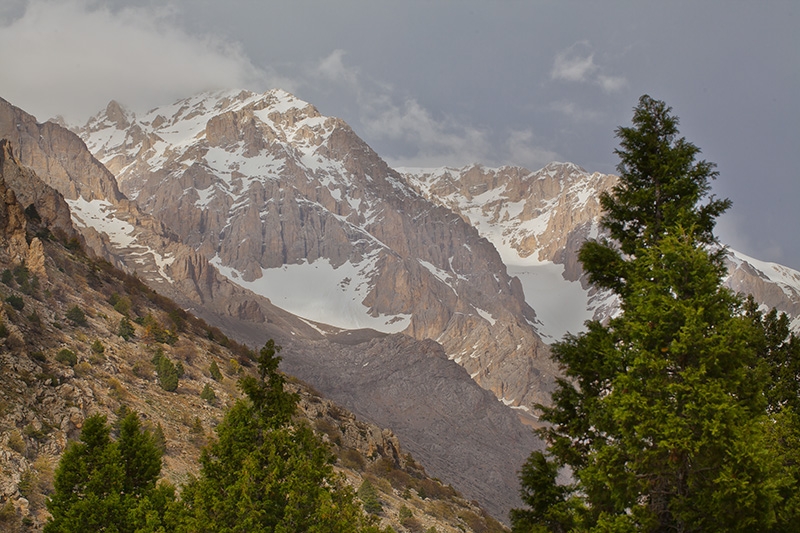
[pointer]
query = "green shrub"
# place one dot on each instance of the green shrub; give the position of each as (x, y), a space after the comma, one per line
(97, 347)
(369, 498)
(67, 357)
(83, 368)
(7, 277)
(76, 315)
(159, 439)
(122, 304)
(166, 371)
(233, 367)
(126, 329)
(16, 302)
(208, 394)
(16, 442)
(214, 371)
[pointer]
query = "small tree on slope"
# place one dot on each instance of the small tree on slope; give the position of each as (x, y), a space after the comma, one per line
(101, 484)
(267, 471)
(661, 418)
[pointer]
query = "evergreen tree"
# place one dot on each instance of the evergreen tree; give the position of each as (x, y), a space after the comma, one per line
(268, 472)
(99, 483)
(125, 329)
(660, 418)
(87, 483)
(106, 485)
(141, 458)
(166, 371)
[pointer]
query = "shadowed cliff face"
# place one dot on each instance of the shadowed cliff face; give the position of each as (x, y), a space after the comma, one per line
(13, 226)
(459, 431)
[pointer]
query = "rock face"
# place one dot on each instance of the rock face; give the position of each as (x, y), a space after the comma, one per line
(13, 223)
(13, 226)
(294, 206)
(81, 193)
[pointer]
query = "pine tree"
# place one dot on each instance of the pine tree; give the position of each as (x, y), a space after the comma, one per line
(660, 418)
(87, 483)
(100, 483)
(268, 472)
(166, 371)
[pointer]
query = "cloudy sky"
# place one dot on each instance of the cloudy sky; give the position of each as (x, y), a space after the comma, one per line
(430, 83)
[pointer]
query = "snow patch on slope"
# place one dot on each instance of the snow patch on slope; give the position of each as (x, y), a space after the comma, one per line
(786, 278)
(320, 292)
(101, 216)
(561, 305)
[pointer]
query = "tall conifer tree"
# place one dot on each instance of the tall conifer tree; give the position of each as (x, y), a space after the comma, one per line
(660, 417)
(268, 472)
(99, 483)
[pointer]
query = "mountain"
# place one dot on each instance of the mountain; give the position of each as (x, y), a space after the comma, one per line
(63, 359)
(294, 206)
(538, 220)
(117, 230)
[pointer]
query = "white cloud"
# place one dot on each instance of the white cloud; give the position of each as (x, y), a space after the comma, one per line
(611, 84)
(332, 68)
(71, 57)
(575, 112)
(576, 64)
(434, 141)
(571, 65)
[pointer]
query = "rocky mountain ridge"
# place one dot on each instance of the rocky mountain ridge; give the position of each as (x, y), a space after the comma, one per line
(233, 309)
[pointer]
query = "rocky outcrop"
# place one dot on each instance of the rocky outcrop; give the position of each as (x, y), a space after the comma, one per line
(37, 145)
(13, 222)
